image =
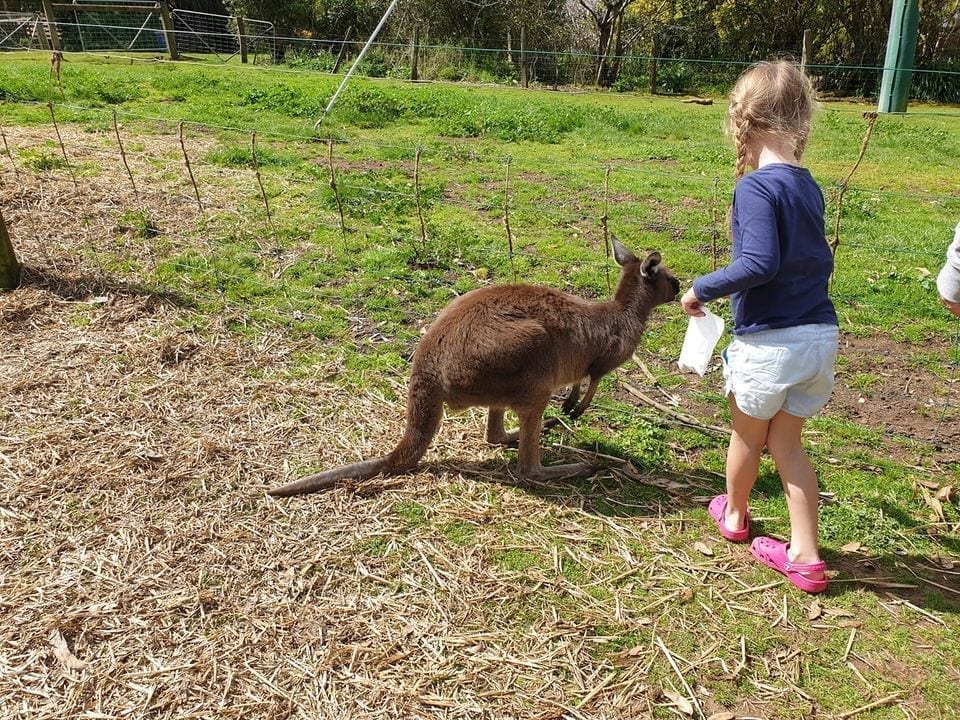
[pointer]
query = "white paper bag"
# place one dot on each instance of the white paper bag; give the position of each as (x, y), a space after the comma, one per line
(699, 342)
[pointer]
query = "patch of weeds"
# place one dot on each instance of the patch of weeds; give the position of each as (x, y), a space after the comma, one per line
(377, 546)
(460, 533)
(138, 223)
(412, 513)
(97, 88)
(517, 560)
(42, 159)
(242, 157)
(285, 99)
(864, 381)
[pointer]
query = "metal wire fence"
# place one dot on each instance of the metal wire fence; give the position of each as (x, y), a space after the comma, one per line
(137, 26)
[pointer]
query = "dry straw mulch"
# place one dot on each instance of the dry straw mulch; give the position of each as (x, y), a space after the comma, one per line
(144, 572)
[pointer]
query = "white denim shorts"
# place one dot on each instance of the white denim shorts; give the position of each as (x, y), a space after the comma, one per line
(789, 369)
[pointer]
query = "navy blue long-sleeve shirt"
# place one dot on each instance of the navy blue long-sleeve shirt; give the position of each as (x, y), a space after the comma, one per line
(781, 263)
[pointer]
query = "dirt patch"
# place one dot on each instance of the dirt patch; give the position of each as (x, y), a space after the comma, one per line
(882, 384)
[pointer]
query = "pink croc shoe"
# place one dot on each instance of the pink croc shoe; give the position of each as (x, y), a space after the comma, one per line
(773, 554)
(717, 510)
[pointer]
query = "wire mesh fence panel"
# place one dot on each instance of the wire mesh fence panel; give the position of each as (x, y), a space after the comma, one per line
(223, 35)
(21, 31)
(133, 26)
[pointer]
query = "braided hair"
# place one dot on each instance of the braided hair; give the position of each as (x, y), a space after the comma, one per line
(770, 98)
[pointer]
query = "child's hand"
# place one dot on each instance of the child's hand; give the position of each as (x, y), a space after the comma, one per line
(691, 305)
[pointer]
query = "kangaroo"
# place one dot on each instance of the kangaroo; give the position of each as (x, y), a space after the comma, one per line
(510, 347)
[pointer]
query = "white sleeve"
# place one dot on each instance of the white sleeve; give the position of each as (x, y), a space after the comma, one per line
(948, 281)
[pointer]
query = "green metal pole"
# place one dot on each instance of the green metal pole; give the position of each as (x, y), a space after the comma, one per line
(898, 64)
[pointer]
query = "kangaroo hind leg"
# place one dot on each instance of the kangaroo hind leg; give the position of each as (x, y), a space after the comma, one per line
(530, 468)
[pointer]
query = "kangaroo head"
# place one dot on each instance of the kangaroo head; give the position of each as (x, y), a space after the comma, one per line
(662, 284)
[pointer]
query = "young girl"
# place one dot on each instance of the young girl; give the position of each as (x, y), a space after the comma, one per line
(779, 368)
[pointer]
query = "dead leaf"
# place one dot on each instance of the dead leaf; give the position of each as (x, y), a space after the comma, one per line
(702, 548)
(815, 610)
(945, 493)
(933, 504)
(62, 653)
(684, 705)
(723, 715)
(851, 546)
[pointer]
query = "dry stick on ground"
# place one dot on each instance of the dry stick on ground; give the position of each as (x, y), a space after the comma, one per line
(506, 217)
(186, 159)
(676, 415)
(336, 193)
(683, 681)
(871, 118)
(416, 190)
(263, 192)
(870, 706)
(63, 148)
(123, 155)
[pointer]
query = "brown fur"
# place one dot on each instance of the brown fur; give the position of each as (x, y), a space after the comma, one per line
(510, 347)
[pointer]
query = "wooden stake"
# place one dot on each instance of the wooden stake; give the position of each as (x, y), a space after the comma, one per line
(416, 187)
(506, 218)
(123, 155)
(263, 192)
(63, 148)
(186, 159)
(336, 193)
(604, 224)
(871, 118)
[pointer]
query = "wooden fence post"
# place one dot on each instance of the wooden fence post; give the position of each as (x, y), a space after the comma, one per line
(343, 47)
(9, 267)
(654, 51)
(524, 79)
(807, 48)
(168, 32)
(51, 24)
(415, 55)
(242, 39)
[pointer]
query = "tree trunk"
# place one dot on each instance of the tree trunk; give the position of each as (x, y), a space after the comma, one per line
(9, 267)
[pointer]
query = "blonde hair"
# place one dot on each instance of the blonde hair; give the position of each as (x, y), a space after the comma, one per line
(770, 98)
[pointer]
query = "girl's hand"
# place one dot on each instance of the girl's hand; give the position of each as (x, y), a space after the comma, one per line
(691, 305)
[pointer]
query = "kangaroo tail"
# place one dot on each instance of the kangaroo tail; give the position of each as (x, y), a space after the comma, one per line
(330, 478)
(424, 412)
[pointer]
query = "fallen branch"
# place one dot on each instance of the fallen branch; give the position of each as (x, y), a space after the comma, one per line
(870, 706)
(676, 415)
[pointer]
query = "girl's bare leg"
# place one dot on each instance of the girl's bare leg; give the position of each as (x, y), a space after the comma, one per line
(800, 486)
(743, 463)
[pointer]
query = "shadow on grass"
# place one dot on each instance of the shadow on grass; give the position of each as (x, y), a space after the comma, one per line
(621, 490)
(79, 288)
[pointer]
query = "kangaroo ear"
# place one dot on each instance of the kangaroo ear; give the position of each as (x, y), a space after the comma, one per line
(621, 253)
(650, 264)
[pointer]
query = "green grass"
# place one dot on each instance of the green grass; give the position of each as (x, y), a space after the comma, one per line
(363, 297)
